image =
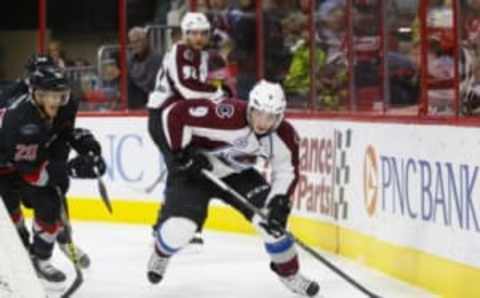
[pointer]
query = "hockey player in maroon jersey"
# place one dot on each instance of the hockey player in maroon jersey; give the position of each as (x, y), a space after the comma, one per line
(229, 138)
(36, 133)
(184, 70)
(182, 76)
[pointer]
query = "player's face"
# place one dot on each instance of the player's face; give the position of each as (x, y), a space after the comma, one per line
(198, 39)
(51, 101)
(262, 122)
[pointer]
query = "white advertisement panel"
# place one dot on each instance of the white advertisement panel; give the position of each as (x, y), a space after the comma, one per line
(134, 163)
(410, 185)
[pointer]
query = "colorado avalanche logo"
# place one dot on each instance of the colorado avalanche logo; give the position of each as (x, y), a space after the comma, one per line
(225, 111)
(241, 142)
(188, 55)
(236, 159)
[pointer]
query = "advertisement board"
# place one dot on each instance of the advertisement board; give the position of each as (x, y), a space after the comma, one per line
(403, 198)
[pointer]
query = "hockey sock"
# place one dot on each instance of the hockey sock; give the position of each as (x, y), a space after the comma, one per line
(283, 255)
(19, 222)
(44, 236)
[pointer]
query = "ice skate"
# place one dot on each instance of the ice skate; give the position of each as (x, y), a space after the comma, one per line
(83, 258)
(197, 239)
(45, 270)
(301, 285)
(156, 267)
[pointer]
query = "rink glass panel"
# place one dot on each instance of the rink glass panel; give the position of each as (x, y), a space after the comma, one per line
(78, 32)
(362, 57)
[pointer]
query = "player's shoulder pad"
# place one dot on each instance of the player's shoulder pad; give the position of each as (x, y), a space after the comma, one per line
(288, 133)
(21, 121)
(67, 114)
(72, 106)
(22, 112)
(230, 108)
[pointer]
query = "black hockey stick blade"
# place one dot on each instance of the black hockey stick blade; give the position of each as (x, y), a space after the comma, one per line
(241, 199)
(155, 183)
(78, 281)
(150, 188)
(102, 189)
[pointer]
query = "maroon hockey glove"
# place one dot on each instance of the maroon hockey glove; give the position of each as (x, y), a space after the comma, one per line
(279, 209)
(191, 163)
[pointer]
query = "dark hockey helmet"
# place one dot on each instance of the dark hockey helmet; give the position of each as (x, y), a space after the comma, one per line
(49, 83)
(36, 61)
(48, 78)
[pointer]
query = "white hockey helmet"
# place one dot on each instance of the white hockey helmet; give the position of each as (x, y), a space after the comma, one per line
(268, 97)
(195, 21)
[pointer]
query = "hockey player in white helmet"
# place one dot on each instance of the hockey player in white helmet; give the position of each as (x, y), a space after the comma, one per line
(184, 70)
(229, 139)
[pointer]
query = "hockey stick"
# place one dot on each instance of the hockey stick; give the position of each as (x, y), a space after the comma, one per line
(307, 248)
(70, 246)
(149, 189)
(102, 189)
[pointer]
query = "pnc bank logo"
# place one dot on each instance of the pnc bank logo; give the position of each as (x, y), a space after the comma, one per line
(370, 180)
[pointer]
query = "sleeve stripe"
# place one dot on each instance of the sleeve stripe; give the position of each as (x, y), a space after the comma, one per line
(177, 133)
(166, 128)
(183, 88)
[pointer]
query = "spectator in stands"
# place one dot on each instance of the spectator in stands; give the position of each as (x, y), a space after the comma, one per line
(109, 89)
(217, 15)
(276, 53)
(101, 91)
(143, 64)
(202, 6)
(218, 5)
(81, 62)
(161, 10)
(404, 88)
(331, 27)
(243, 32)
(56, 52)
(297, 81)
(177, 9)
(470, 16)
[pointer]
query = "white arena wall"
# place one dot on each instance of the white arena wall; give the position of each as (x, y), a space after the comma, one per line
(401, 198)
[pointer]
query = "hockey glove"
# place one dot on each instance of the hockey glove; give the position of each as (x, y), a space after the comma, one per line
(191, 163)
(86, 166)
(218, 96)
(84, 142)
(278, 211)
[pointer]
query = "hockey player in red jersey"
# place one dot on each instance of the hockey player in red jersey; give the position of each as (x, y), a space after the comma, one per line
(229, 138)
(36, 133)
(182, 76)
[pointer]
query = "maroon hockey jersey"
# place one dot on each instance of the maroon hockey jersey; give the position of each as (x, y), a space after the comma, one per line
(223, 133)
(183, 75)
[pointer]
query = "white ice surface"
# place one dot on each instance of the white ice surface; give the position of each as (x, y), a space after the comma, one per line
(227, 266)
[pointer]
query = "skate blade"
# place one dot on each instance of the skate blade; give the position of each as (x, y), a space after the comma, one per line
(192, 249)
(53, 289)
